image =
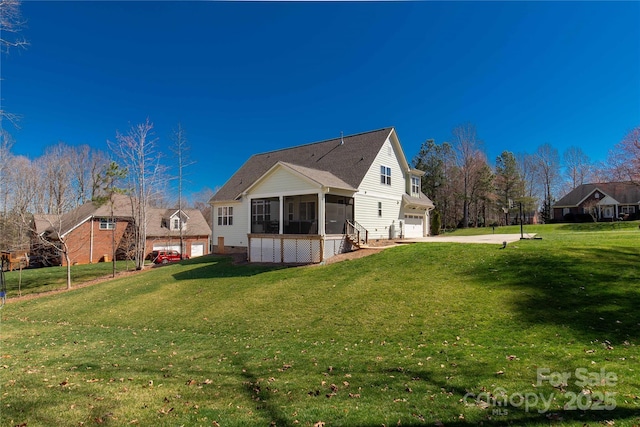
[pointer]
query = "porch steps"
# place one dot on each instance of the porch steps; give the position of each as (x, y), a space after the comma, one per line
(357, 235)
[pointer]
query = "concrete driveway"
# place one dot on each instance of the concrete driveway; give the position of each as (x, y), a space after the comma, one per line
(497, 239)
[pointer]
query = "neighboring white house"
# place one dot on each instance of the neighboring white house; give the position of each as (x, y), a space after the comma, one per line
(310, 202)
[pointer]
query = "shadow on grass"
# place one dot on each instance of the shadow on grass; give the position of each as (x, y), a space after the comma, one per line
(507, 412)
(217, 266)
(592, 291)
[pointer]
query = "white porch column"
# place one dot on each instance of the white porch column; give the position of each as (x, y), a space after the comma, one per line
(616, 207)
(250, 215)
(281, 216)
(321, 213)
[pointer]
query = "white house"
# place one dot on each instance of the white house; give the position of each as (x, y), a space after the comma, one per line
(307, 203)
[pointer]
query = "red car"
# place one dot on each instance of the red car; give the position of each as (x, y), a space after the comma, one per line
(163, 257)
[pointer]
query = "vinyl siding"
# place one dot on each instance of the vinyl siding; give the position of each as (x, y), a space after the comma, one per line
(283, 182)
(236, 234)
(373, 191)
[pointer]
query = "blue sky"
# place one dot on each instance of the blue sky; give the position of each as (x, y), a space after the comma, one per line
(247, 77)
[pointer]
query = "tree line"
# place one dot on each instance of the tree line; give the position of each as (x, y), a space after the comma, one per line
(468, 191)
(65, 177)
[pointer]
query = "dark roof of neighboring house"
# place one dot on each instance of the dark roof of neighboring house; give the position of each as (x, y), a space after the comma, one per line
(623, 192)
(348, 159)
(196, 224)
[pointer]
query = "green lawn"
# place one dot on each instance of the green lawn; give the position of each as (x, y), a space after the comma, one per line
(422, 334)
(39, 280)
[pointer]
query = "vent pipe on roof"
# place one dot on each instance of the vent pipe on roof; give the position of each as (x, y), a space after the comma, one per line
(341, 138)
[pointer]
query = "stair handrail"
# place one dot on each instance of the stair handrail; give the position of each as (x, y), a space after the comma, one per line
(355, 228)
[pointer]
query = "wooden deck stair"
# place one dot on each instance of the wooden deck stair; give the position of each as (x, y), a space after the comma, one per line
(357, 235)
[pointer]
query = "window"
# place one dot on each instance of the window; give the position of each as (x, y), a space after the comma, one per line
(107, 224)
(385, 175)
(380, 209)
(225, 215)
(176, 224)
(627, 209)
(415, 185)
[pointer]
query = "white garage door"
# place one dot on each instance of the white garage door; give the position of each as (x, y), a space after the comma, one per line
(197, 249)
(413, 226)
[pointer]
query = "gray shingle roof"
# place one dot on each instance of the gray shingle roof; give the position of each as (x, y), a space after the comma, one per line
(348, 161)
(422, 201)
(196, 224)
(623, 192)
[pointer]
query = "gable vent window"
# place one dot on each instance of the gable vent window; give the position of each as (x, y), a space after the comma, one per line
(385, 175)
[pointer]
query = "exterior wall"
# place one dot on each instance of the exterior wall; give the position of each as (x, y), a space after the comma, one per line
(233, 235)
(281, 182)
(79, 242)
(373, 191)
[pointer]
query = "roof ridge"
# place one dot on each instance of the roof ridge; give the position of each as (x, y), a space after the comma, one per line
(322, 141)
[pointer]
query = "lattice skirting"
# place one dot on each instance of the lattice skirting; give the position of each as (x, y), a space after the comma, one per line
(295, 249)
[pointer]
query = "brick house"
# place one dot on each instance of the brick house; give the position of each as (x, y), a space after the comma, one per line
(606, 201)
(93, 231)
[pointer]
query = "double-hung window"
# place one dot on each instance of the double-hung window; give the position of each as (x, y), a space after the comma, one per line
(415, 185)
(225, 215)
(385, 175)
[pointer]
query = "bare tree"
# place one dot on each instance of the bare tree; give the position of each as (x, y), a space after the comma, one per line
(482, 190)
(11, 23)
(180, 148)
(138, 152)
(577, 166)
(466, 145)
(57, 174)
(548, 174)
(87, 165)
(6, 142)
(625, 157)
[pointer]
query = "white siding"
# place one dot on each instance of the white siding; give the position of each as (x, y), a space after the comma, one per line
(236, 234)
(373, 191)
(283, 182)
